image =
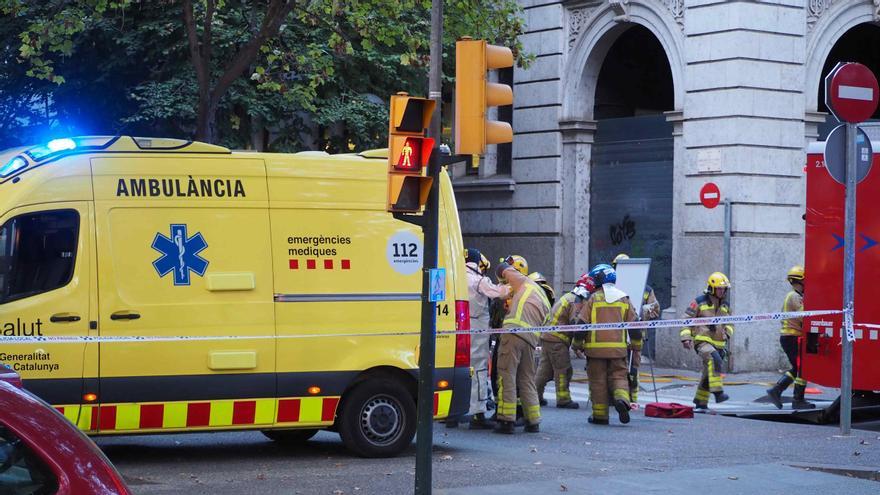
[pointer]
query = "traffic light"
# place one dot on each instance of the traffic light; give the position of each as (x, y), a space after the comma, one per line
(474, 96)
(408, 153)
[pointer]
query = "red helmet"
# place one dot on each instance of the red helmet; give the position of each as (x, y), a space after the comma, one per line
(587, 282)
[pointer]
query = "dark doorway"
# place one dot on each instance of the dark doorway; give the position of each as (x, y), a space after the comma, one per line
(860, 44)
(632, 164)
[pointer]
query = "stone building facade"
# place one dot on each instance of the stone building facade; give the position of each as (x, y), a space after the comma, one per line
(741, 102)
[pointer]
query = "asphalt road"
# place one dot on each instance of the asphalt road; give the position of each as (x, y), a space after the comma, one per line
(567, 452)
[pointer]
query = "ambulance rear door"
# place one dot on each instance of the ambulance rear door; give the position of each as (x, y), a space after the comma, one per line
(185, 263)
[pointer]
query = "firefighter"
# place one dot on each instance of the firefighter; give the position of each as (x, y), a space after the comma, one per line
(555, 353)
(516, 351)
(517, 262)
(541, 280)
(790, 340)
(481, 291)
(498, 311)
(709, 341)
(650, 311)
(606, 350)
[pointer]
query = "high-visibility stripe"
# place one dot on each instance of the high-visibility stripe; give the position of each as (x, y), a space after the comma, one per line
(107, 418)
(442, 402)
(151, 416)
(516, 319)
(198, 414)
(174, 415)
(328, 408)
(288, 410)
(591, 343)
(310, 409)
(126, 417)
(220, 413)
(244, 412)
(706, 338)
(265, 411)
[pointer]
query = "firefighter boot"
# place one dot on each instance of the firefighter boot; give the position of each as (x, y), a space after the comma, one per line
(720, 397)
(597, 421)
(504, 427)
(479, 422)
(775, 393)
(532, 428)
(799, 402)
(542, 401)
(568, 405)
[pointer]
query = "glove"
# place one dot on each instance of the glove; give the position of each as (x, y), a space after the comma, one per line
(687, 344)
(499, 270)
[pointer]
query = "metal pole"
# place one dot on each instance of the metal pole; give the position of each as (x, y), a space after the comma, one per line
(425, 407)
(727, 226)
(849, 271)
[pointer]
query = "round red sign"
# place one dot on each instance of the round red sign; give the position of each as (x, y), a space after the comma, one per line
(851, 92)
(710, 196)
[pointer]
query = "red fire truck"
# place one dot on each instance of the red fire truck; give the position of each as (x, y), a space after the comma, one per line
(824, 217)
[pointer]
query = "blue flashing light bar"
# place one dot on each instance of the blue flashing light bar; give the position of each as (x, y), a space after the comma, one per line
(61, 144)
(13, 166)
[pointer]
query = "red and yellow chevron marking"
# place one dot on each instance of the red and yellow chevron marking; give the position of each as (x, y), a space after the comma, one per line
(442, 401)
(215, 414)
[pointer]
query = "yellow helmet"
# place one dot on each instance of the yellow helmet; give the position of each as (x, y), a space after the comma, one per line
(484, 263)
(796, 273)
(621, 256)
(517, 262)
(718, 280)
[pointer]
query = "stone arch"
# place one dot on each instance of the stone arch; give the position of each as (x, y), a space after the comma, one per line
(840, 18)
(586, 56)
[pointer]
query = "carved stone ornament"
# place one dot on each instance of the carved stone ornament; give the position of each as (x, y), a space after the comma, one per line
(676, 7)
(580, 13)
(621, 10)
(815, 9)
(578, 18)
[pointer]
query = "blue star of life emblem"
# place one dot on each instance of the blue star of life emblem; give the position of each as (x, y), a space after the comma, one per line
(180, 254)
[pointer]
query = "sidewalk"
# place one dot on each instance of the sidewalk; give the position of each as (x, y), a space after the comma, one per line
(746, 390)
(756, 479)
(716, 453)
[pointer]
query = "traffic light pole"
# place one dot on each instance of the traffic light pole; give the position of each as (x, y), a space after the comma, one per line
(427, 343)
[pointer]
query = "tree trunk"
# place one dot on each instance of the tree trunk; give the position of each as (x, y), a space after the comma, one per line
(206, 120)
(258, 136)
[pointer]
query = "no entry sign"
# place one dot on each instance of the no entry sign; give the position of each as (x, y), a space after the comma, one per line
(851, 92)
(710, 195)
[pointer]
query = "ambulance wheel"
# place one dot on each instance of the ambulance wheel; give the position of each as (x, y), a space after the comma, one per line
(378, 418)
(290, 436)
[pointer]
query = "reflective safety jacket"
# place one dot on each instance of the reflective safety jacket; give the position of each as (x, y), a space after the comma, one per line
(607, 344)
(706, 306)
(794, 301)
(528, 306)
(564, 312)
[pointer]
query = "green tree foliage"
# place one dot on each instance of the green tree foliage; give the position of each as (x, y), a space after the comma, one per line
(264, 74)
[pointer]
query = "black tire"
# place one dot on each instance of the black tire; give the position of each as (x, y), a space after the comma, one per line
(293, 437)
(377, 418)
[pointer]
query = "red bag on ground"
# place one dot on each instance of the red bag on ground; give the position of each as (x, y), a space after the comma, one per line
(668, 410)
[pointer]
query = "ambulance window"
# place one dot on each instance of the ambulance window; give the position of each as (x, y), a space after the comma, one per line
(37, 253)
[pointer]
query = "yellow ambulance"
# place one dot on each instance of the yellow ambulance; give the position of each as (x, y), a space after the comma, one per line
(230, 290)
